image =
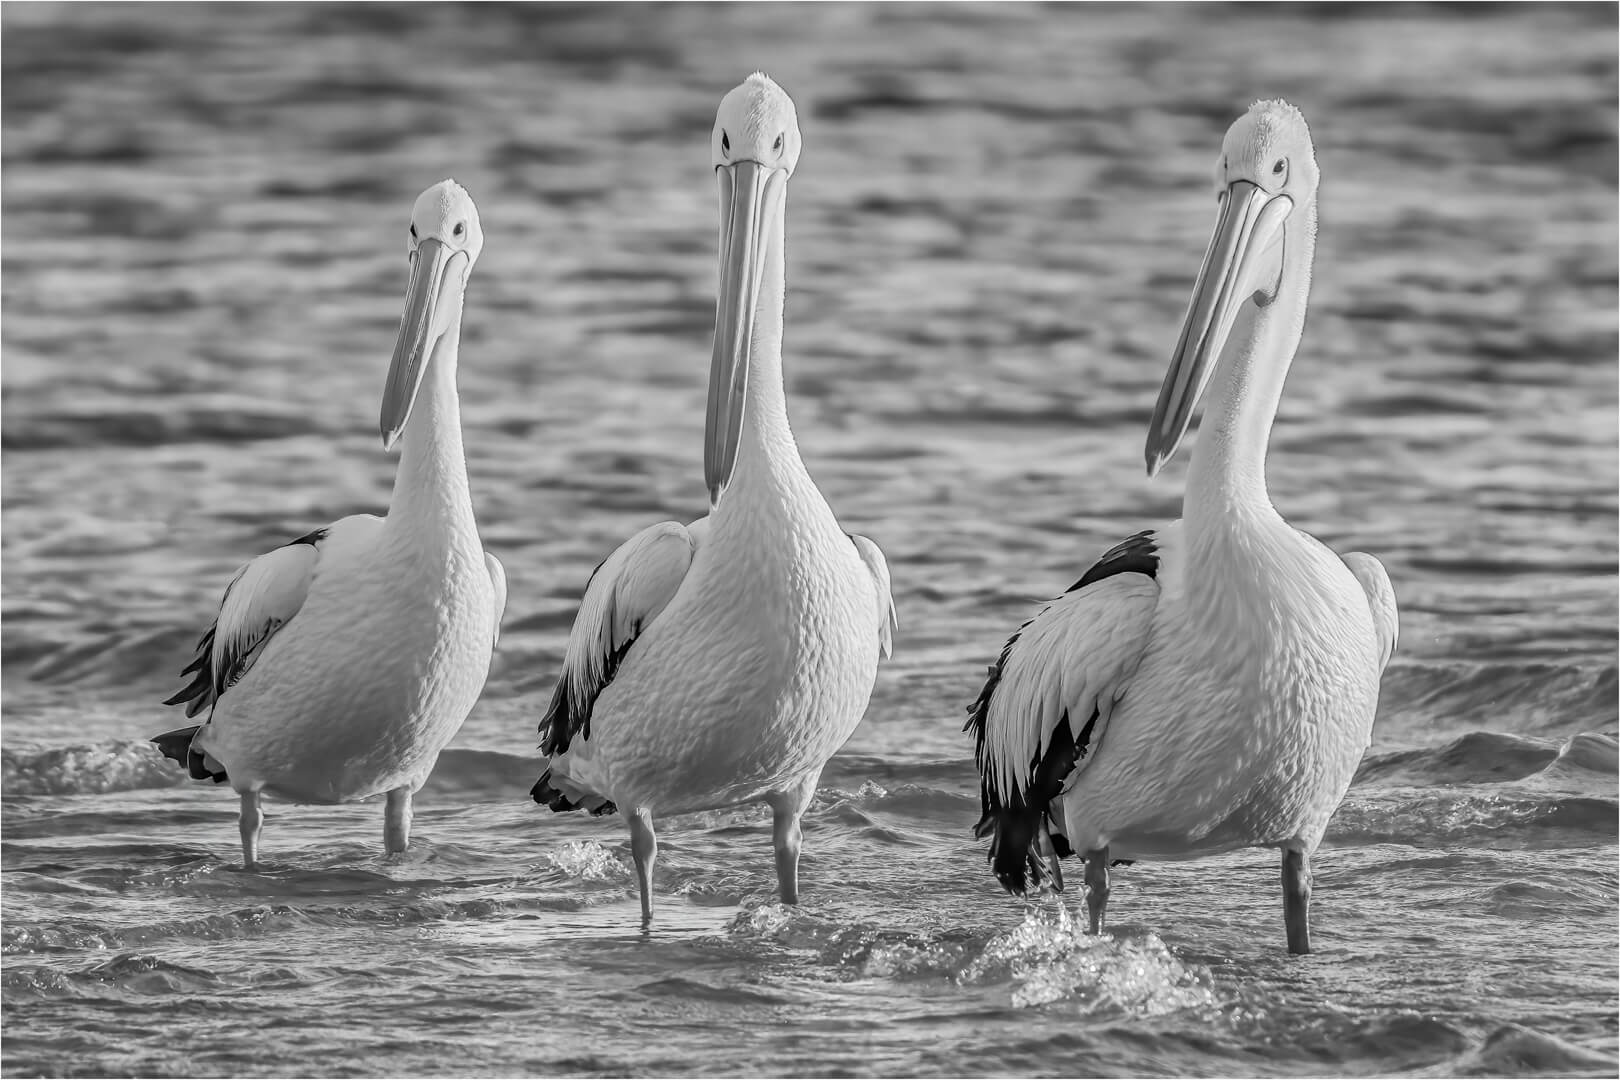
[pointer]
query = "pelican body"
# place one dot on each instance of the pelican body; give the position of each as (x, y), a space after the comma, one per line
(724, 661)
(1210, 685)
(342, 663)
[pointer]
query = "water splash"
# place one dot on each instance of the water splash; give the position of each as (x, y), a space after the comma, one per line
(1047, 958)
(783, 924)
(587, 860)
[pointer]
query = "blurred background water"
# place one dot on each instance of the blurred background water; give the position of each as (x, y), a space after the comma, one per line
(992, 234)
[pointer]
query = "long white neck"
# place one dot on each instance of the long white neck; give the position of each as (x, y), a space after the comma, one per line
(431, 495)
(766, 450)
(1227, 477)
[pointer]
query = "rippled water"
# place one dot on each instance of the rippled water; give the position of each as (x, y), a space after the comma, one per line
(992, 233)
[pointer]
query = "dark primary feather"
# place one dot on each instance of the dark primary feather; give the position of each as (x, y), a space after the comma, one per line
(563, 717)
(208, 685)
(176, 745)
(1137, 554)
(625, 593)
(570, 714)
(979, 711)
(546, 795)
(199, 693)
(1013, 826)
(1013, 819)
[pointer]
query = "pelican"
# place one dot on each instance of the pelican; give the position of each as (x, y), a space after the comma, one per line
(341, 663)
(724, 661)
(1209, 685)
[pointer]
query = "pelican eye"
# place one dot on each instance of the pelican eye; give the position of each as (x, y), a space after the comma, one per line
(413, 230)
(1279, 168)
(777, 146)
(725, 143)
(461, 227)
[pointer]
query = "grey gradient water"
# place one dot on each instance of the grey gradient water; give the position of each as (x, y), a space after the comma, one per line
(992, 234)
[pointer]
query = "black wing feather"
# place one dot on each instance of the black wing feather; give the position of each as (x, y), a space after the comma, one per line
(198, 694)
(1137, 554)
(574, 698)
(1012, 819)
(207, 685)
(176, 745)
(570, 714)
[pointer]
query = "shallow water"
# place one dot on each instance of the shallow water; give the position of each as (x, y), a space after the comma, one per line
(993, 230)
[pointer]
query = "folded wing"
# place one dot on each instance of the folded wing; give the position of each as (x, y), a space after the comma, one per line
(1380, 599)
(878, 566)
(263, 597)
(623, 597)
(497, 578)
(1047, 702)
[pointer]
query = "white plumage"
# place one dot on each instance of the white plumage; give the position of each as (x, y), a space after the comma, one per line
(878, 567)
(1071, 661)
(624, 595)
(725, 661)
(342, 663)
(1375, 583)
(1210, 685)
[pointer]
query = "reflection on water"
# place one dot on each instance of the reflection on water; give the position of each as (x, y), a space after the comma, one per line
(993, 231)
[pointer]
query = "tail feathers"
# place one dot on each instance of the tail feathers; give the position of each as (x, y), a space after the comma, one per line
(547, 793)
(1020, 844)
(176, 745)
(1017, 854)
(1026, 826)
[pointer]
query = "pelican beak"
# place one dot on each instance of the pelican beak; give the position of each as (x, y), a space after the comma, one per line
(420, 328)
(1244, 260)
(750, 198)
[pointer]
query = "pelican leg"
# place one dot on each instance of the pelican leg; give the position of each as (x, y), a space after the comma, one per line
(251, 821)
(1097, 887)
(397, 821)
(788, 809)
(1296, 883)
(644, 849)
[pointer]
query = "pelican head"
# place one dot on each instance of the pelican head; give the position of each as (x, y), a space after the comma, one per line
(755, 147)
(445, 239)
(1266, 171)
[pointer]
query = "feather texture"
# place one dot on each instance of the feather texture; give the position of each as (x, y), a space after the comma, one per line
(497, 578)
(263, 597)
(1048, 698)
(622, 598)
(1380, 599)
(888, 618)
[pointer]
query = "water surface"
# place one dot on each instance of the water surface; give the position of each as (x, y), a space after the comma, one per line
(993, 231)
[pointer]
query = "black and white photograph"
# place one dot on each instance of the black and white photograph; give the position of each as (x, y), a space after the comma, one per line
(809, 539)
